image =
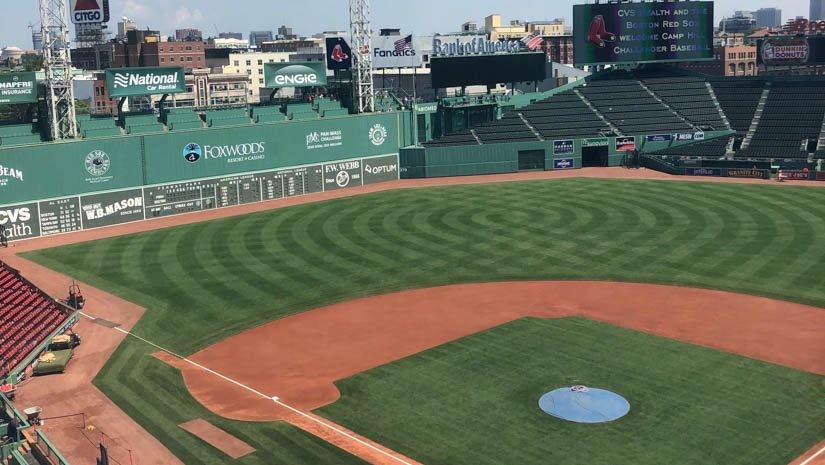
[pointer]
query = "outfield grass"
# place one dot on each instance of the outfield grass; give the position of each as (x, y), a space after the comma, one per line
(214, 279)
(475, 401)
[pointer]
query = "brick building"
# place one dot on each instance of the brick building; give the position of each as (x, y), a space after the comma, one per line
(728, 61)
(559, 48)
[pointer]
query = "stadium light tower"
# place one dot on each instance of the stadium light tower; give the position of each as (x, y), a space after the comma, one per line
(58, 66)
(361, 30)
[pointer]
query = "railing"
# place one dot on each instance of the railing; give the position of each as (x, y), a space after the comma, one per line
(49, 452)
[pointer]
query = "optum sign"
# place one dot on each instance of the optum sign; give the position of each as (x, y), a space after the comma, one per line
(295, 74)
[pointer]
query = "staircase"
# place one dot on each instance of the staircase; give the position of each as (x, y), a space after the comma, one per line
(718, 107)
(756, 117)
(478, 139)
(532, 128)
(598, 113)
(665, 104)
(820, 143)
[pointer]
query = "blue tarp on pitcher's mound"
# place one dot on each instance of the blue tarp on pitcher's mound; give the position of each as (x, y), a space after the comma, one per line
(584, 405)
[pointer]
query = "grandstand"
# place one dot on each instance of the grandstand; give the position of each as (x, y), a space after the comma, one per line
(754, 118)
(28, 320)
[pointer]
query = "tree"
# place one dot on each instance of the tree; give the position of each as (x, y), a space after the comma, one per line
(82, 107)
(32, 62)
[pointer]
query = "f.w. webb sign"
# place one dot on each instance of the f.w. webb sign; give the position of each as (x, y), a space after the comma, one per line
(125, 82)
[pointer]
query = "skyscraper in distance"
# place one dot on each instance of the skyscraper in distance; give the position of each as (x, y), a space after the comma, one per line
(817, 10)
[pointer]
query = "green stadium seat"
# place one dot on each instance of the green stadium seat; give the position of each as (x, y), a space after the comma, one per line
(7, 141)
(100, 132)
(182, 125)
(306, 115)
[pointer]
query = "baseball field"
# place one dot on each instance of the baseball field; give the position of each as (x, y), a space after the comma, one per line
(443, 373)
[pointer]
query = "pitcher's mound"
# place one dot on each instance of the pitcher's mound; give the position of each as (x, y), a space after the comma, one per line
(582, 404)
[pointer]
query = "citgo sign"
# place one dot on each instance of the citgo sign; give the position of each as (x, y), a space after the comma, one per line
(86, 11)
(307, 74)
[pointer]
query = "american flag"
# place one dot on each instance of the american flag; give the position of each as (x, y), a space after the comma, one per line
(532, 41)
(403, 44)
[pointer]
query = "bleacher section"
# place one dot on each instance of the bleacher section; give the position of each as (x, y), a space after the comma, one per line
(96, 126)
(300, 111)
(141, 123)
(229, 117)
(27, 318)
(738, 99)
(687, 95)
(505, 130)
(793, 112)
(620, 97)
(562, 116)
(268, 114)
(18, 134)
(715, 148)
(181, 118)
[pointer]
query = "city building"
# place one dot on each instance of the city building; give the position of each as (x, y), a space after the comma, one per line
(469, 27)
(728, 61)
(558, 48)
(256, 38)
(518, 29)
(768, 17)
(188, 34)
(37, 41)
(144, 48)
(292, 45)
(728, 39)
(285, 33)
(228, 43)
(251, 67)
(206, 88)
(741, 22)
(817, 10)
(124, 27)
(101, 102)
(231, 35)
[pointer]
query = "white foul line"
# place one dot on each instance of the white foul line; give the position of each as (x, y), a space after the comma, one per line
(272, 398)
(806, 462)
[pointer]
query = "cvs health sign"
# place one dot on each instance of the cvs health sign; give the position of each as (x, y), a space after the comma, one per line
(86, 11)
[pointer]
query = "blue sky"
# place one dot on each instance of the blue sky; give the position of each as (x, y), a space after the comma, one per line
(309, 16)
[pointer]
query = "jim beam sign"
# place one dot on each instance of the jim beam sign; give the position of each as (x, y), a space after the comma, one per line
(126, 82)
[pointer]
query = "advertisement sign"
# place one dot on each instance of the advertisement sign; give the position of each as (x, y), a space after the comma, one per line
(563, 147)
(610, 33)
(18, 88)
(820, 175)
(111, 208)
(791, 51)
(794, 174)
(691, 136)
(303, 74)
(380, 169)
(563, 164)
(625, 144)
(126, 82)
(747, 173)
(86, 11)
(443, 46)
(396, 52)
(471, 70)
(659, 138)
(339, 54)
(703, 171)
(601, 142)
(426, 107)
(20, 221)
(342, 175)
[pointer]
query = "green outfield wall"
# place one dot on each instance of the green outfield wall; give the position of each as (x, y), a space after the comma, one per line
(55, 188)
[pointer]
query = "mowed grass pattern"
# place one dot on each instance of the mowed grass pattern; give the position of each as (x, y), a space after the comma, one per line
(204, 282)
(475, 401)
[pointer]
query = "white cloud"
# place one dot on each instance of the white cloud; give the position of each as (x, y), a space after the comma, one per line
(184, 17)
(136, 10)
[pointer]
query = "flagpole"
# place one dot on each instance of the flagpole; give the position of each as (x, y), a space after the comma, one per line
(414, 69)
